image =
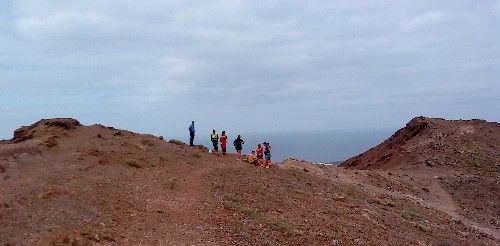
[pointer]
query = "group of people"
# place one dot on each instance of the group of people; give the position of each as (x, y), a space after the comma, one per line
(255, 157)
(259, 157)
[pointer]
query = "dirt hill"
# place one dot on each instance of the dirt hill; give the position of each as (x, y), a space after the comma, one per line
(467, 152)
(469, 145)
(62, 183)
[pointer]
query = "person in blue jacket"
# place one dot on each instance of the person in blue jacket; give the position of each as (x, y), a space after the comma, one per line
(191, 134)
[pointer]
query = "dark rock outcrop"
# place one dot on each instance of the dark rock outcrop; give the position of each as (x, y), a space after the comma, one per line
(28, 132)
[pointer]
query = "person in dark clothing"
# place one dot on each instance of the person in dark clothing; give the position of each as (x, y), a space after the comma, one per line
(267, 154)
(238, 145)
(215, 140)
(191, 134)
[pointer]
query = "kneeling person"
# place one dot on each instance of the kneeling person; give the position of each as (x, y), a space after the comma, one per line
(252, 158)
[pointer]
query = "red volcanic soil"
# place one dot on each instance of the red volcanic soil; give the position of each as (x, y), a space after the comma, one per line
(62, 183)
(472, 145)
(464, 153)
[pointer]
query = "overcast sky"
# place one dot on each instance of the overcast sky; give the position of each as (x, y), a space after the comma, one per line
(248, 66)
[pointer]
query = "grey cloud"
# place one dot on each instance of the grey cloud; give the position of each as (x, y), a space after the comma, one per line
(306, 64)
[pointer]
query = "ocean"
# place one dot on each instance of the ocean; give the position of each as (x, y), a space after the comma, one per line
(317, 146)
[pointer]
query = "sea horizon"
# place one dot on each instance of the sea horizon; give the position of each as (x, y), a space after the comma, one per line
(324, 146)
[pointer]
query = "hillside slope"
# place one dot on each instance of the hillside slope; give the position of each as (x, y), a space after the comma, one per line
(471, 145)
(62, 183)
(465, 152)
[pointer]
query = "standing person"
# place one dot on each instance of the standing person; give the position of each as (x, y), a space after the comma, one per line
(191, 133)
(215, 140)
(238, 145)
(260, 152)
(223, 141)
(267, 154)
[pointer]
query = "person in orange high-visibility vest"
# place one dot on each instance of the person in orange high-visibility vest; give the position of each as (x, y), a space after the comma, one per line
(260, 152)
(223, 141)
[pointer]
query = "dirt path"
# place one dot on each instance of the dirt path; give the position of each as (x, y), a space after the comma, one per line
(443, 202)
(447, 204)
(190, 208)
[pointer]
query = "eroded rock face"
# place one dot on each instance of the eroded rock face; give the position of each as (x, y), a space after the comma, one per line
(431, 142)
(414, 128)
(66, 123)
(21, 134)
(28, 132)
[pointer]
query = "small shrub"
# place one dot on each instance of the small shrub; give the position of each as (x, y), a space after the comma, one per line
(444, 243)
(109, 238)
(163, 160)
(281, 225)
(335, 238)
(148, 142)
(232, 198)
(132, 163)
(95, 152)
(259, 218)
(268, 243)
(252, 214)
(172, 184)
(409, 214)
(336, 242)
(239, 228)
(47, 195)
